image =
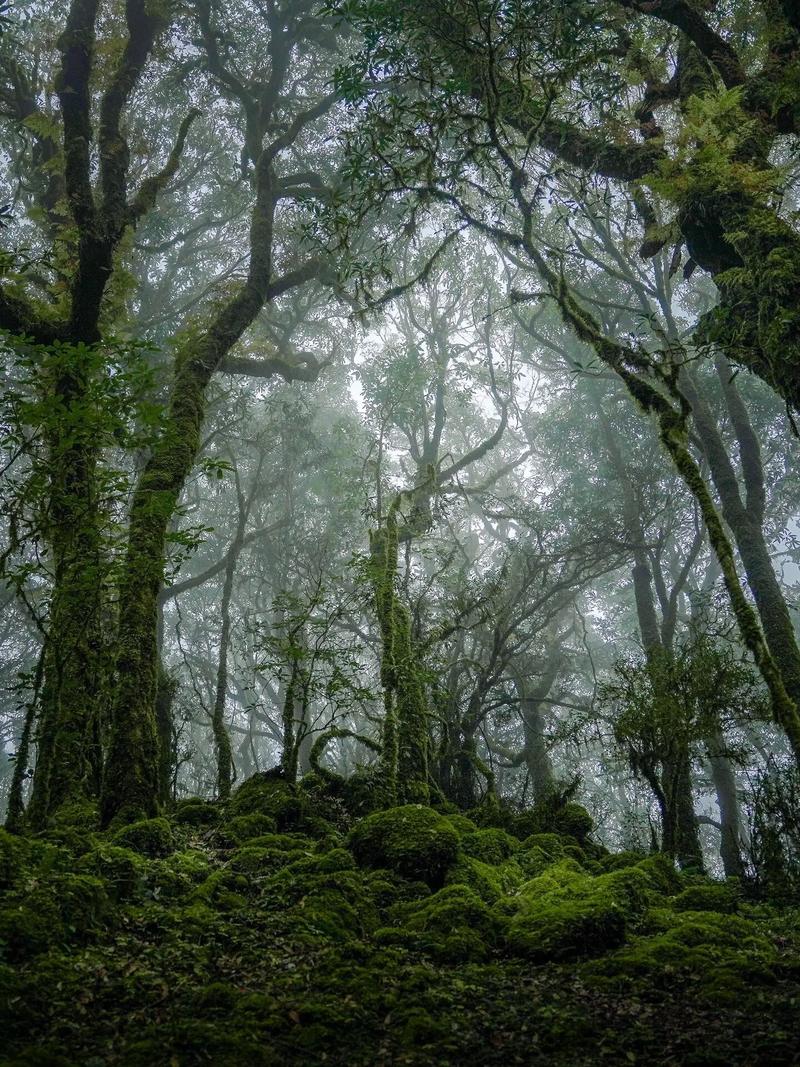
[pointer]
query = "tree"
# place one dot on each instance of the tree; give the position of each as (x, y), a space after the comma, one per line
(82, 225)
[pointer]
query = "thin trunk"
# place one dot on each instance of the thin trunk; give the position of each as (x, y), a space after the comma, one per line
(724, 779)
(745, 519)
(679, 830)
(167, 756)
(404, 758)
(16, 804)
(222, 739)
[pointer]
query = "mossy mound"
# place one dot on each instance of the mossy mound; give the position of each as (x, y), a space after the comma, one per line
(566, 913)
(453, 925)
(194, 811)
(417, 939)
(270, 794)
(413, 841)
(150, 837)
(491, 845)
(563, 820)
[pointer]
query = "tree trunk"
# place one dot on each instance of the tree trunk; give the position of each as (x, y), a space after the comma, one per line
(167, 756)
(724, 779)
(405, 729)
(746, 518)
(74, 659)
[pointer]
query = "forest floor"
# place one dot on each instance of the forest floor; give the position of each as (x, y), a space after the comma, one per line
(279, 929)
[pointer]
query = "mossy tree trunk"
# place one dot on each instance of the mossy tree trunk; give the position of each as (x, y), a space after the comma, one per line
(745, 515)
(406, 726)
(532, 690)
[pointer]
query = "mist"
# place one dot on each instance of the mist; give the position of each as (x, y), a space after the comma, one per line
(399, 558)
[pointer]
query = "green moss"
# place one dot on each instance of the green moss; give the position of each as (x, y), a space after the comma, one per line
(27, 928)
(14, 853)
(178, 875)
(452, 925)
(57, 908)
(194, 811)
(722, 897)
(270, 794)
(323, 895)
(243, 828)
(490, 882)
(222, 890)
(490, 845)
(661, 873)
(149, 837)
(122, 870)
(283, 842)
(564, 912)
(724, 952)
(411, 840)
(460, 823)
(256, 861)
(216, 997)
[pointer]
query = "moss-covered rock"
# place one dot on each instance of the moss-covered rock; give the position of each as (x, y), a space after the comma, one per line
(60, 907)
(411, 840)
(177, 875)
(724, 951)
(491, 845)
(122, 870)
(452, 925)
(460, 823)
(268, 793)
(243, 828)
(195, 811)
(723, 897)
(324, 895)
(569, 819)
(222, 890)
(149, 837)
(490, 882)
(566, 913)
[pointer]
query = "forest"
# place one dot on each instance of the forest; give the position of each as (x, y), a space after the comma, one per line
(399, 533)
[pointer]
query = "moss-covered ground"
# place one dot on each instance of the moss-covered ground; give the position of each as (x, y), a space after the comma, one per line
(281, 929)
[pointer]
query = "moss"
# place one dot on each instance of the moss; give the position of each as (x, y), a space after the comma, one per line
(490, 845)
(661, 873)
(150, 837)
(283, 842)
(177, 875)
(222, 890)
(79, 814)
(216, 997)
(722, 897)
(460, 823)
(617, 861)
(14, 853)
(452, 925)
(254, 860)
(60, 907)
(324, 895)
(122, 870)
(566, 913)
(194, 811)
(27, 928)
(490, 882)
(724, 952)
(411, 840)
(243, 828)
(268, 793)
